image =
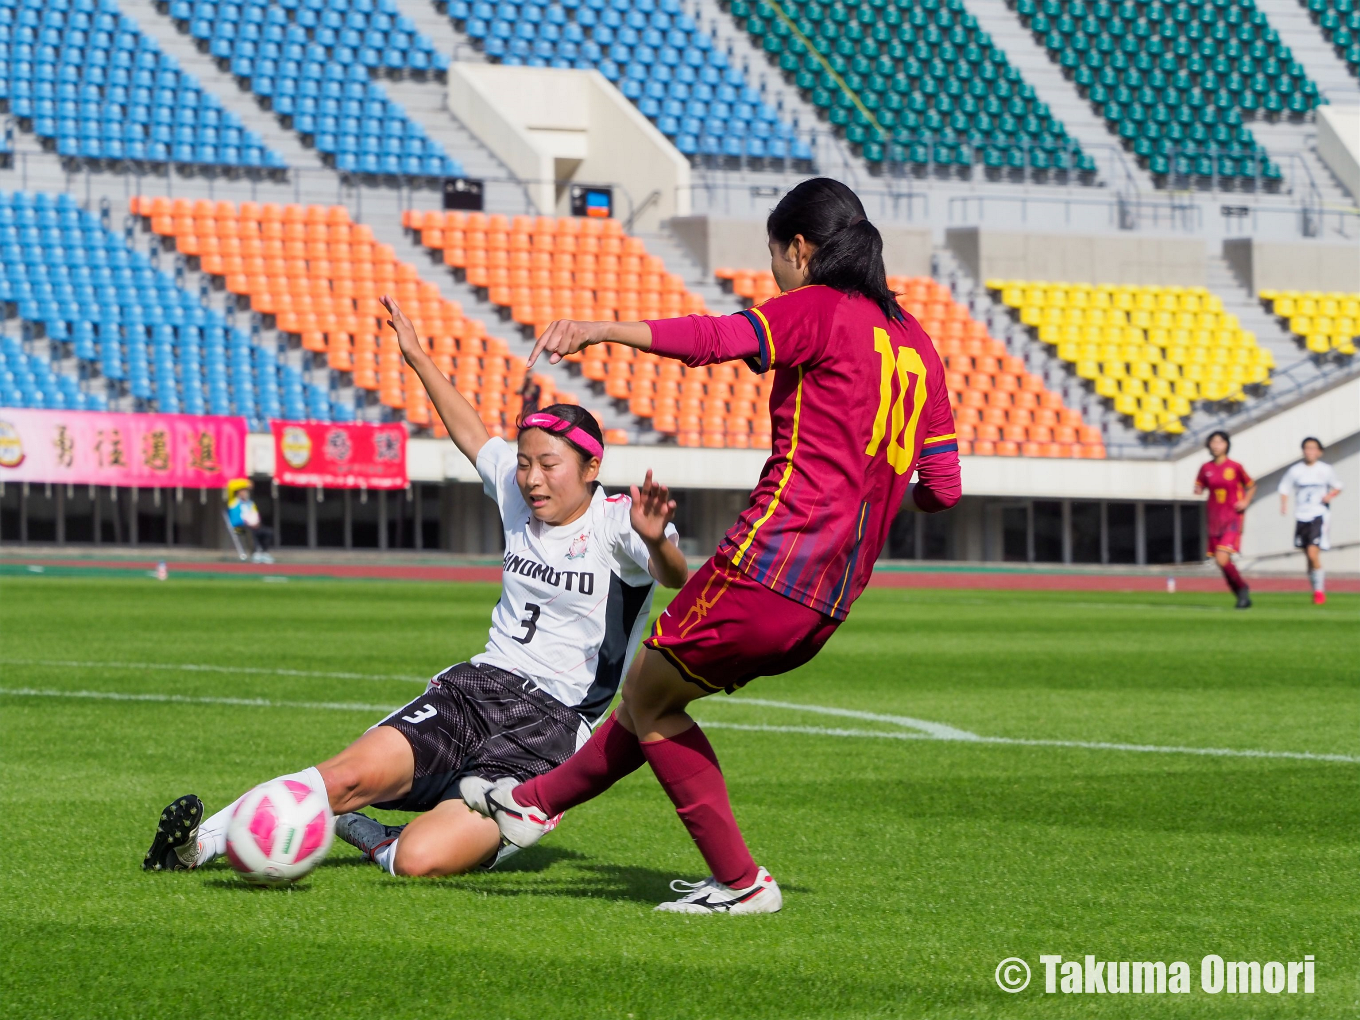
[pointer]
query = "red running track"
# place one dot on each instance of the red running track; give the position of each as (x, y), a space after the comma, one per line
(995, 580)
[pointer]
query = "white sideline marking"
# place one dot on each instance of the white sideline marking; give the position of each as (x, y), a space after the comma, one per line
(914, 729)
(192, 667)
(1094, 745)
(939, 731)
(182, 699)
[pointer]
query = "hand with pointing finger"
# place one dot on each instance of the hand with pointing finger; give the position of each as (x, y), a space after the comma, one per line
(567, 336)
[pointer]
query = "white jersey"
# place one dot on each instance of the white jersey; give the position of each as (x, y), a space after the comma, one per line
(574, 599)
(1308, 483)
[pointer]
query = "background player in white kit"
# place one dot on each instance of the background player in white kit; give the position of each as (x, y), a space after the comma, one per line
(1313, 485)
(577, 589)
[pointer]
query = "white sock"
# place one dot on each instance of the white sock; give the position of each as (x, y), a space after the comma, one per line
(386, 858)
(212, 832)
(1319, 580)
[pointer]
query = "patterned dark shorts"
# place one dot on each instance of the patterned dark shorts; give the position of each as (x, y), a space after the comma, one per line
(482, 721)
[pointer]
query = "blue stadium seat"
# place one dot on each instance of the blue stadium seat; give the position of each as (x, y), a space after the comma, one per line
(98, 68)
(126, 322)
(291, 52)
(648, 49)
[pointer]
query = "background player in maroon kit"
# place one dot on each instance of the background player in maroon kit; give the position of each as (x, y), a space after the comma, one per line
(1230, 490)
(859, 402)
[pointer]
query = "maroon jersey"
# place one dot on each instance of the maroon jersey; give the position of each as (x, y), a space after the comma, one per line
(1227, 483)
(859, 402)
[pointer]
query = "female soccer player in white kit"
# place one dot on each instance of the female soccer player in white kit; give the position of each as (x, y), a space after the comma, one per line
(1313, 485)
(577, 588)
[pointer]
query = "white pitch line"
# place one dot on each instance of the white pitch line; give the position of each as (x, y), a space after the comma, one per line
(193, 667)
(183, 699)
(1094, 745)
(817, 731)
(940, 731)
(917, 729)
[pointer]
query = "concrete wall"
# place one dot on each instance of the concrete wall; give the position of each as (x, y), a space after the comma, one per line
(1338, 144)
(554, 127)
(740, 244)
(1280, 265)
(994, 254)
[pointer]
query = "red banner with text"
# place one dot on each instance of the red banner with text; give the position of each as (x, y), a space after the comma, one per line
(336, 456)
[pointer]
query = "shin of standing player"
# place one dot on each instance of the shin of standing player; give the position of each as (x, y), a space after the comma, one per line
(1313, 485)
(1230, 490)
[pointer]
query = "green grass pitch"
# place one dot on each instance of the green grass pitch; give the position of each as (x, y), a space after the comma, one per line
(911, 867)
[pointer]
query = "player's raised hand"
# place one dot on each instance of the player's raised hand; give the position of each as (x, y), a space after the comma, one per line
(652, 509)
(405, 330)
(566, 336)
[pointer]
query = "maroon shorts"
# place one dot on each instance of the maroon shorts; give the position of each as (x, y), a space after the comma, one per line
(722, 630)
(1227, 537)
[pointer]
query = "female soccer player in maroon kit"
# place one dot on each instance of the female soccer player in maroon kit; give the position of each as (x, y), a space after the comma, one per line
(1230, 491)
(859, 402)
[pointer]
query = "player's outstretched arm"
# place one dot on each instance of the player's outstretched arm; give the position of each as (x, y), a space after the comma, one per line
(652, 510)
(567, 336)
(460, 418)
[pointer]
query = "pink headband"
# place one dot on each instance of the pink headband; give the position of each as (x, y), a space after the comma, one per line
(566, 430)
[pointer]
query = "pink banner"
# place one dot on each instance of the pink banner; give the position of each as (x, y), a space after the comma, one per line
(106, 448)
(339, 456)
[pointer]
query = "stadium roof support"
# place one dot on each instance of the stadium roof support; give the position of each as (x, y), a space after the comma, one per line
(556, 127)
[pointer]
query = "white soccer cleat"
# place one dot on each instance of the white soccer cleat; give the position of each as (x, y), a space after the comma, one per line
(519, 824)
(712, 897)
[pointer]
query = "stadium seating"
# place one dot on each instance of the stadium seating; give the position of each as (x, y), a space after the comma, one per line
(915, 85)
(318, 276)
(1324, 323)
(88, 83)
(126, 322)
(311, 62)
(1174, 82)
(1152, 351)
(28, 380)
(657, 56)
(999, 407)
(1340, 21)
(542, 268)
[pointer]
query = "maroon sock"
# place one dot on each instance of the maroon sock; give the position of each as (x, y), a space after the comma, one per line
(1233, 578)
(689, 773)
(610, 754)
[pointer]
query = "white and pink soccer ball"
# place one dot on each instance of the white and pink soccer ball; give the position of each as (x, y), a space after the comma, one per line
(279, 832)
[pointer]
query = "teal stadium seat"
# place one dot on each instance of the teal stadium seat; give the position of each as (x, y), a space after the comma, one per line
(915, 86)
(1340, 23)
(1177, 81)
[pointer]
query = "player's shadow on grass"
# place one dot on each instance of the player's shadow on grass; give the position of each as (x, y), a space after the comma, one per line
(579, 878)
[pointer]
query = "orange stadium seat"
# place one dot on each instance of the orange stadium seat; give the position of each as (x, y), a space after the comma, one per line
(543, 268)
(320, 275)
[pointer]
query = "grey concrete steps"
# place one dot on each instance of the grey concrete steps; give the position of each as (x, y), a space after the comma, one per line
(1311, 48)
(1237, 299)
(668, 248)
(242, 103)
(1062, 98)
(410, 250)
(1293, 145)
(427, 102)
(833, 156)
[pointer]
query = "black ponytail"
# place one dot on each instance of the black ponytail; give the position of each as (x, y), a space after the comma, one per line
(849, 255)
